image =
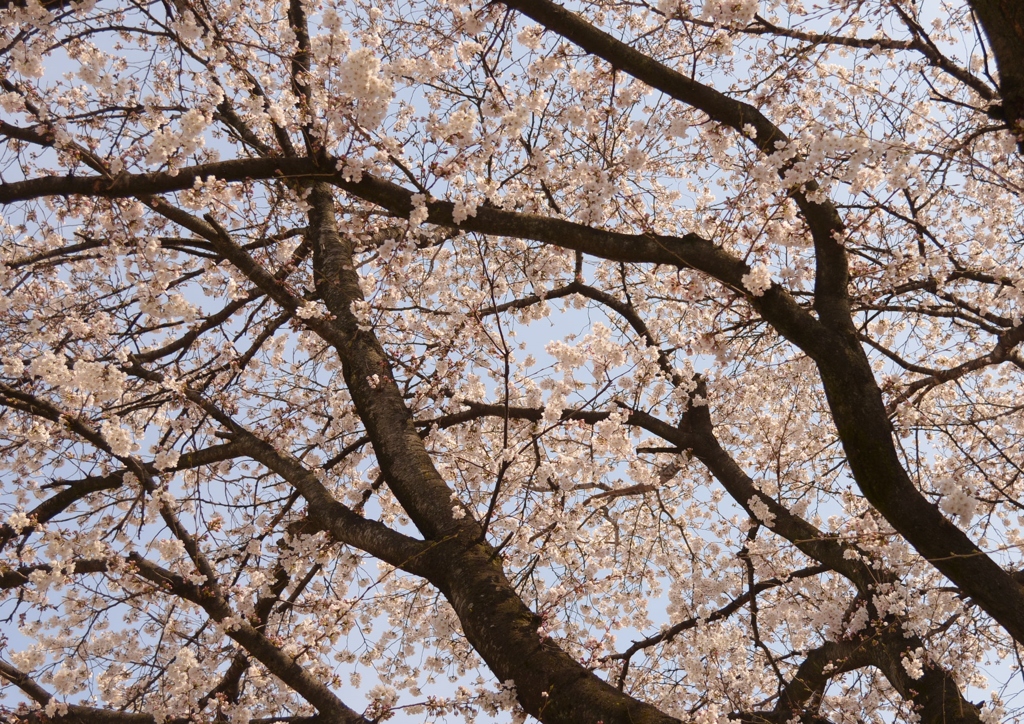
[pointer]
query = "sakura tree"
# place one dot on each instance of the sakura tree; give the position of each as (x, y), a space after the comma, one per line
(606, 363)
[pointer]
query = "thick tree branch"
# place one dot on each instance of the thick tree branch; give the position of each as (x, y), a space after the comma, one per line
(14, 577)
(549, 684)
(691, 250)
(1003, 21)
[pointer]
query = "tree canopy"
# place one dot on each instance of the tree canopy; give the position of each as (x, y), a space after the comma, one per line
(602, 363)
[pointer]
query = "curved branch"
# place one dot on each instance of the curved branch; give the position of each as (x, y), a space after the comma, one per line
(252, 640)
(831, 297)
(78, 489)
(724, 612)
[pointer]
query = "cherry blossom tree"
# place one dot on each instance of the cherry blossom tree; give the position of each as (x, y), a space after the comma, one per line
(601, 363)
